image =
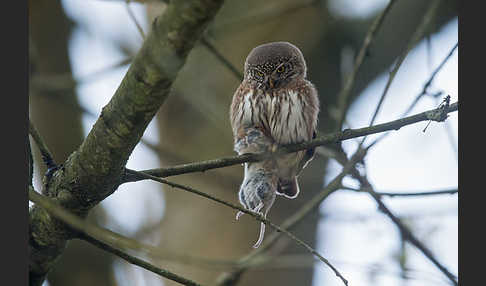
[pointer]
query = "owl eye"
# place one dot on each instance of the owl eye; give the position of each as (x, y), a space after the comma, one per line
(281, 69)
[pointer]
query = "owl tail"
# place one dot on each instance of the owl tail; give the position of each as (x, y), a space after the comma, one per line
(288, 188)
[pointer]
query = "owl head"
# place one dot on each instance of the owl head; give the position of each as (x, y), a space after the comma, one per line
(274, 65)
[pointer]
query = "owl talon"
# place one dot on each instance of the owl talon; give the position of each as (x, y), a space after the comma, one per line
(239, 214)
(260, 237)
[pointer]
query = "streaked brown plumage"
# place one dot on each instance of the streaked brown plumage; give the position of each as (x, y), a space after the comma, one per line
(274, 105)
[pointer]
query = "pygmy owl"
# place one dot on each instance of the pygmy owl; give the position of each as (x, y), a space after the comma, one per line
(274, 105)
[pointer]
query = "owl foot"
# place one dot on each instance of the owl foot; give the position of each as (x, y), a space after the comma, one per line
(252, 140)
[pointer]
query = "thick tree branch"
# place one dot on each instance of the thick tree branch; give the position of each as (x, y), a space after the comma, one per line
(433, 114)
(93, 172)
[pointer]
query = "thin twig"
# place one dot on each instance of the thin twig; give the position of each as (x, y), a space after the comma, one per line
(139, 262)
(76, 107)
(436, 71)
(406, 233)
(424, 90)
(343, 97)
(31, 163)
(221, 58)
(367, 187)
(417, 35)
(262, 15)
(408, 194)
(65, 81)
(45, 153)
(293, 261)
(257, 216)
(448, 131)
(100, 237)
(320, 140)
(334, 217)
(134, 19)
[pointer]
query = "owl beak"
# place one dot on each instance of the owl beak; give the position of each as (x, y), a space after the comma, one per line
(271, 82)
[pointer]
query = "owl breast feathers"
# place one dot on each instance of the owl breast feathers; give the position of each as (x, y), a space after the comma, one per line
(284, 116)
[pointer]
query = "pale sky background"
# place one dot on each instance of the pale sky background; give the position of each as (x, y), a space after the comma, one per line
(358, 240)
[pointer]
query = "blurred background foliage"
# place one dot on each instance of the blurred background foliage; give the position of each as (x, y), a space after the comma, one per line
(193, 124)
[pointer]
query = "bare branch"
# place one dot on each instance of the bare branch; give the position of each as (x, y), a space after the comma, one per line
(321, 140)
(101, 238)
(45, 153)
(65, 81)
(343, 97)
(134, 19)
(436, 71)
(408, 194)
(221, 58)
(406, 233)
(31, 163)
(424, 90)
(417, 35)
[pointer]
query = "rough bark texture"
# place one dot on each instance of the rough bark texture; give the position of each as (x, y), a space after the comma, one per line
(92, 173)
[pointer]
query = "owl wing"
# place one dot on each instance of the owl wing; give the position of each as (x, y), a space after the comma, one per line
(288, 186)
(311, 111)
